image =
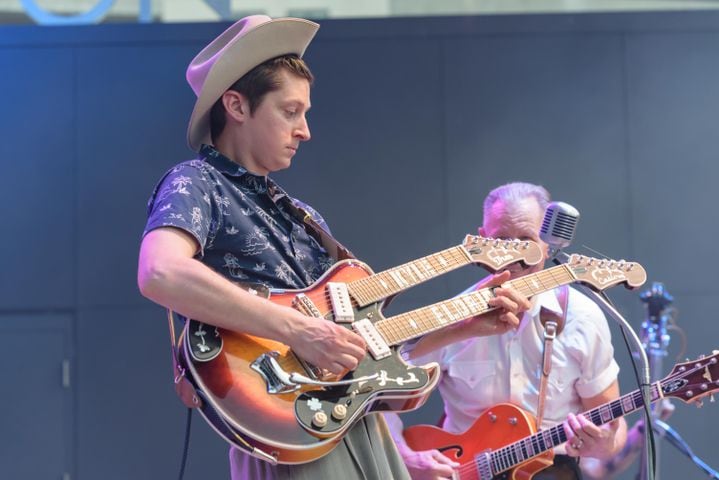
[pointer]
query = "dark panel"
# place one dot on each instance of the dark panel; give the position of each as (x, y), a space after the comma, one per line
(374, 166)
(674, 112)
(130, 422)
(36, 198)
(133, 110)
(545, 109)
(36, 418)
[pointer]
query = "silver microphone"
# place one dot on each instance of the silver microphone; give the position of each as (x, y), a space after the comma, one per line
(558, 226)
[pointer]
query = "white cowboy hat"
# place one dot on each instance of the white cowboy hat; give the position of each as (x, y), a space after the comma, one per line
(246, 44)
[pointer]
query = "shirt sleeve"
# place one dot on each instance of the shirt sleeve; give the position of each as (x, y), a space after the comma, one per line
(183, 199)
(591, 346)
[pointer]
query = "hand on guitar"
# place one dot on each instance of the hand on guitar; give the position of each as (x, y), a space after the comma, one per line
(509, 303)
(427, 464)
(611, 468)
(325, 344)
(584, 439)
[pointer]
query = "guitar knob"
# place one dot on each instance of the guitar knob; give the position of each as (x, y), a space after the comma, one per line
(512, 420)
(339, 412)
(319, 419)
(492, 417)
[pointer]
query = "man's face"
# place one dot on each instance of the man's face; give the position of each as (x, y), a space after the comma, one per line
(277, 126)
(521, 221)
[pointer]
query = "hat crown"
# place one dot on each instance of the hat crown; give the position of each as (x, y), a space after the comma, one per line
(201, 65)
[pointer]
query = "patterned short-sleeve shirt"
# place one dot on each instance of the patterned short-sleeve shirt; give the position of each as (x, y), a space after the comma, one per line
(240, 220)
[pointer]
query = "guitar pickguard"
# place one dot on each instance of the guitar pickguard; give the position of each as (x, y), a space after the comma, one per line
(342, 405)
(204, 340)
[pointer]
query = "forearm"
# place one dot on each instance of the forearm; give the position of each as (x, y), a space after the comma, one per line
(439, 339)
(194, 290)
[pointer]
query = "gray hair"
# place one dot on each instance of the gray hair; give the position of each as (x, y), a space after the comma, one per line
(515, 193)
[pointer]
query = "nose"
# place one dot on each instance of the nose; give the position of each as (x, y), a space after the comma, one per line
(303, 130)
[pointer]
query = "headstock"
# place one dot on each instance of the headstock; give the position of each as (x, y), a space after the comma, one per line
(690, 381)
(603, 273)
(496, 254)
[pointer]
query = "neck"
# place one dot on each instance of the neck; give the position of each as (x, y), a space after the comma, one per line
(231, 147)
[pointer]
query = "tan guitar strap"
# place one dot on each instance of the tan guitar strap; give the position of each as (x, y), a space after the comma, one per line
(334, 248)
(553, 324)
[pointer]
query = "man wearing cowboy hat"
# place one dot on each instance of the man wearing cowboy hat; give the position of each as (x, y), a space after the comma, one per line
(220, 219)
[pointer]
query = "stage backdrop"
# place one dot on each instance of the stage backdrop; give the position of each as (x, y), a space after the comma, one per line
(413, 121)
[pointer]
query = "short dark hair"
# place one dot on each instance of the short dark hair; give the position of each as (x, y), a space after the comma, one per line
(257, 83)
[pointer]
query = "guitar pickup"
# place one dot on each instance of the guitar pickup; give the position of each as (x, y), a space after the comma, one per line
(376, 345)
(341, 303)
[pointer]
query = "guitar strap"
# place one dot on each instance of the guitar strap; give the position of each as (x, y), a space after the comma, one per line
(553, 324)
(183, 387)
(334, 248)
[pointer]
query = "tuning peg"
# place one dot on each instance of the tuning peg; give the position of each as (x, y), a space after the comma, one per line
(714, 352)
(711, 398)
(700, 403)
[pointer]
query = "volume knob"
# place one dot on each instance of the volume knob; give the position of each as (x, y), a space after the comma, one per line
(319, 419)
(339, 412)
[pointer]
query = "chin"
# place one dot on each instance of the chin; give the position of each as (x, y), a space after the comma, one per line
(281, 166)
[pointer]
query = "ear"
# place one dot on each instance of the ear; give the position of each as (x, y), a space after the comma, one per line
(236, 105)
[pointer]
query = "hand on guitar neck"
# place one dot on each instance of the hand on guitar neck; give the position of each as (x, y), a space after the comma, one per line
(509, 304)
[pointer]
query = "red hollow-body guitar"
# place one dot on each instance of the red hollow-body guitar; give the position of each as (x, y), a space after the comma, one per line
(503, 441)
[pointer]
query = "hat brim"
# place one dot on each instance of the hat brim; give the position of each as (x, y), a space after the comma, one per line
(272, 39)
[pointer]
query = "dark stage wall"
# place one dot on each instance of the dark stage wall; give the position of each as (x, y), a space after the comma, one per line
(414, 120)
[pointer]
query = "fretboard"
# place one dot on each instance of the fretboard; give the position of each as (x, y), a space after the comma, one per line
(518, 452)
(390, 282)
(406, 326)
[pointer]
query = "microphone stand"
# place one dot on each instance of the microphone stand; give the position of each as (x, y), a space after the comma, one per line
(665, 431)
(655, 340)
(560, 258)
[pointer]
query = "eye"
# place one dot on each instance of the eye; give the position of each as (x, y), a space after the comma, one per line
(291, 113)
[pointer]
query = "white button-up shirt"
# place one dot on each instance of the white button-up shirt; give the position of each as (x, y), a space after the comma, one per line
(484, 371)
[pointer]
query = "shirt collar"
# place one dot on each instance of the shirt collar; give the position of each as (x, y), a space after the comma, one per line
(547, 300)
(211, 155)
(257, 183)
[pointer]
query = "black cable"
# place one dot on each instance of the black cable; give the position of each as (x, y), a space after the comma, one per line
(186, 448)
(650, 447)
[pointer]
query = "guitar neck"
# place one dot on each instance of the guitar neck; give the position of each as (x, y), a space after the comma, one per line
(406, 326)
(518, 452)
(390, 282)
